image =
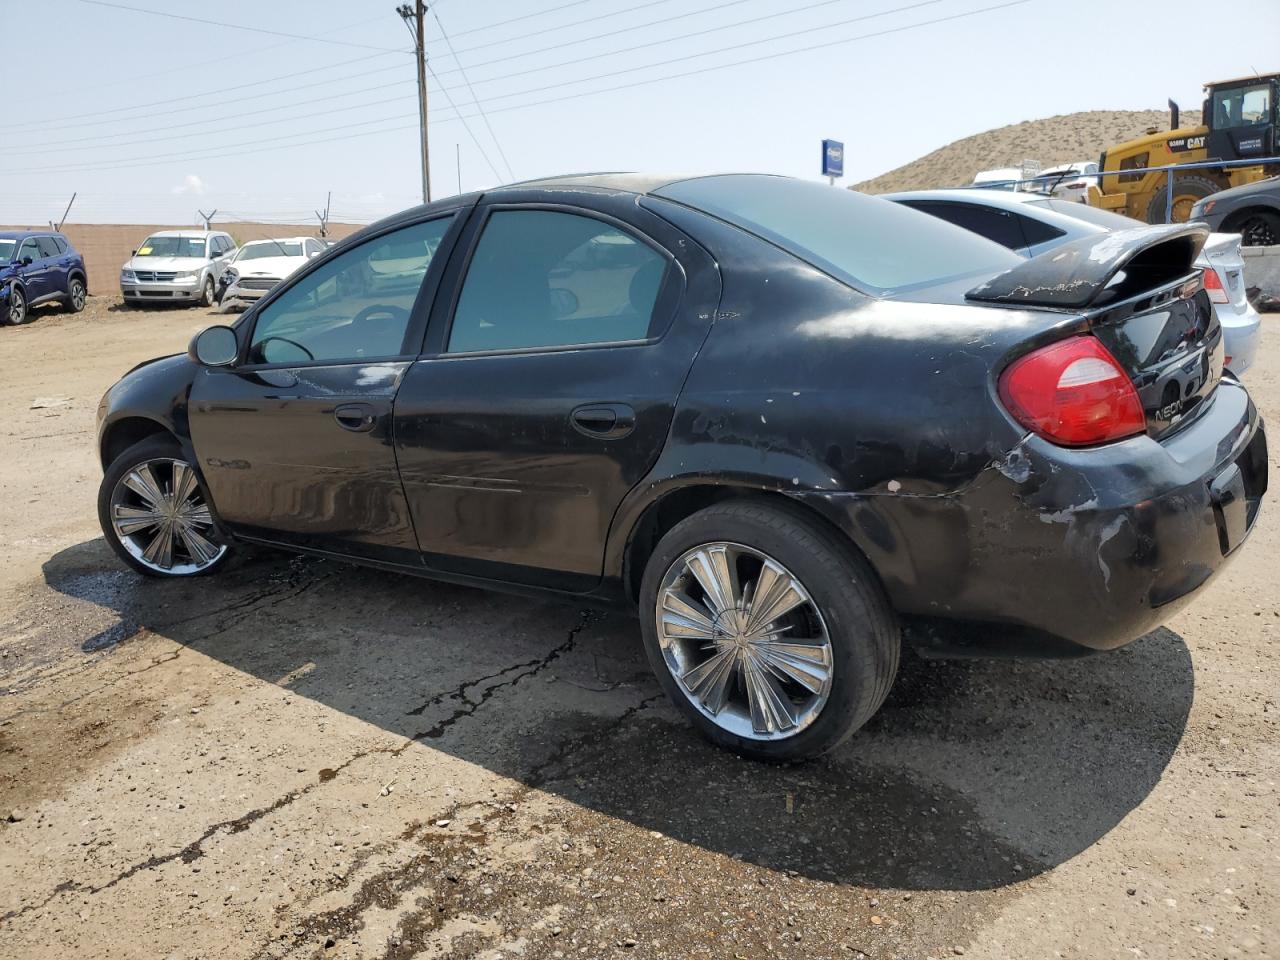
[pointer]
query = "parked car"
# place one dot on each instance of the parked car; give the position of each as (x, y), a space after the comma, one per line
(177, 266)
(1069, 181)
(39, 267)
(1032, 224)
(1000, 178)
(260, 264)
(777, 419)
(1253, 211)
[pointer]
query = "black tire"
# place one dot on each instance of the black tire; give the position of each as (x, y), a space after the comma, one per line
(206, 292)
(1257, 228)
(76, 294)
(1185, 188)
(864, 632)
(158, 447)
(19, 310)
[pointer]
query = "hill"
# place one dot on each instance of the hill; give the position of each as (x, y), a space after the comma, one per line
(1053, 140)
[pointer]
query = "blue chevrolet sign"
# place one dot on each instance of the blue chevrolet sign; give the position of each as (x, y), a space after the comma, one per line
(832, 158)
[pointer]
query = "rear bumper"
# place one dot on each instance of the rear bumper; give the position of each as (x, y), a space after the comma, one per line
(1051, 551)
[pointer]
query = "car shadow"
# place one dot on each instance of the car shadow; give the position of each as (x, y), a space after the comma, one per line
(974, 775)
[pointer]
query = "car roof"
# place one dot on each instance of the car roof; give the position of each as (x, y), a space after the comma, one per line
(1005, 199)
(185, 233)
(23, 234)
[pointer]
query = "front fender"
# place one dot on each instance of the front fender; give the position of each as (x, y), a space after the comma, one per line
(157, 391)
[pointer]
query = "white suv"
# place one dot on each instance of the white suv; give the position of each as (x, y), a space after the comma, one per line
(177, 265)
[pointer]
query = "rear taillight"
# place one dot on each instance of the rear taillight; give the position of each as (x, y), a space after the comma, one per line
(1074, 393)
(1213, 284)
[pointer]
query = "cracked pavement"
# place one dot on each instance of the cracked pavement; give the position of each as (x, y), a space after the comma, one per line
(302, 759)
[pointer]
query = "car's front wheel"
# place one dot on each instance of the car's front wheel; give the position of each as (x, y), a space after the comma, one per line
(155, 512)
(206, 292)
(18, 310)
(768, 632)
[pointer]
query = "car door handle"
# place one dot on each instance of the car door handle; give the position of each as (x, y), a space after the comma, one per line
(607, 421)
(356, 417)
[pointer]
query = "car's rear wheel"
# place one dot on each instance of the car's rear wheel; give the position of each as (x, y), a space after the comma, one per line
(19, 312)
(76, 295)
(155, 513)
(206, 292)
(1257, 228)
(1186, 191)
(767, 631)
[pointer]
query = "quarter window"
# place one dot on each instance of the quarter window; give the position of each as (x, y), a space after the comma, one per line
(354, 307)
(541, 278)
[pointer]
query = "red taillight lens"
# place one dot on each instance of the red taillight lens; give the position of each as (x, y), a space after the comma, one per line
(1213, 284)
(1074, 393)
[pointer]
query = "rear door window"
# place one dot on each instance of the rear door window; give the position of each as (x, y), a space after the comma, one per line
(47, 247)
(543, 278)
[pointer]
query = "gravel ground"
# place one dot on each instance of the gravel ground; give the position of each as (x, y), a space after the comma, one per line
(298, 758)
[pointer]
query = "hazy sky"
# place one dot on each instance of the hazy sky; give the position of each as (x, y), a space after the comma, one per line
(150, 117)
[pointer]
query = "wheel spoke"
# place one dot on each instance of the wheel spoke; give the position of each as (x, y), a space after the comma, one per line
(684, 620)
(201, 549)
(770, 709)
(807, 665)
(710, 680)
(198, 515)
(160, 551)
(714, 570)
(142, 481)
(775, 595)
(184, 482)
(130, 520)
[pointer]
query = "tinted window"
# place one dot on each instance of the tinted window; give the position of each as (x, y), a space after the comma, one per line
(313, 247)
(872, 244)
(47, 247)
(1037, 231)
(1087, 214)
(270, 248)
(997, 225)
(354, 307)
(29, 249)
(62, 244)
(541, 278)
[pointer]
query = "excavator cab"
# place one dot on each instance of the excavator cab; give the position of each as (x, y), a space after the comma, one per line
(1242, 118)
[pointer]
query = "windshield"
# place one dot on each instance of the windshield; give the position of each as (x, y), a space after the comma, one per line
(1243, 106)
(270, 248)
(6, 249)
(1088, 214)
(172, 247)
(871, 244)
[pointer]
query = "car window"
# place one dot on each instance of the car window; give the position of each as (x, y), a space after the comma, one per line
(997, 225)
(541, 278)
(219, 246)
(353, 307)
(1037, 231)
(29, 249)
(313, 247)
(8, 247)
(47, 247)
(61, 244)
(871, 244)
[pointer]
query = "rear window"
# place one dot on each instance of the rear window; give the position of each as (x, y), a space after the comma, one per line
(1088, 214)
(874, 245)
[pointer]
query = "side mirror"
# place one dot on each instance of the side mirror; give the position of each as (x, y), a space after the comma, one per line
(214, 346)
(26, 261)
(133, 253)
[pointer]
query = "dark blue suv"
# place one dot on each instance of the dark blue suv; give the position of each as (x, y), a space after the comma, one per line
(39, 267)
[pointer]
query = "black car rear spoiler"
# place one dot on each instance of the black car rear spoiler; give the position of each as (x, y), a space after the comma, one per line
(1097, 270)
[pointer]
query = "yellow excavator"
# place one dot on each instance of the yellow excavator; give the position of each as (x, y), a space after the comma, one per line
(1241, 120)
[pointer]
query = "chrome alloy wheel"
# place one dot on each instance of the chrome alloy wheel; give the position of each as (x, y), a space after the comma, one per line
(159, 515)
(745, 641)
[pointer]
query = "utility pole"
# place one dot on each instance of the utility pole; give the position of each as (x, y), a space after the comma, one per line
(418, 14)
(324, 217)
(64, 213)
(207, 217)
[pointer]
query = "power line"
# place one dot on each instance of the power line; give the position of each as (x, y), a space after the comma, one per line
(127, 163)
(561, 26)
(502, 153)
(234, 26)
(186, 98)
(466, 126)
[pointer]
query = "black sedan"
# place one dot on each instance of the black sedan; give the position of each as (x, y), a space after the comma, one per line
(1252, 210)
(782, 420)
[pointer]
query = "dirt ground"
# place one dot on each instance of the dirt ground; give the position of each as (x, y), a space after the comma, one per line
(298, 758)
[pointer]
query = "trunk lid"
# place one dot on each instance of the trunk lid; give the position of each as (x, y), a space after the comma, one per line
(1140, 293)
(1222, 253)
